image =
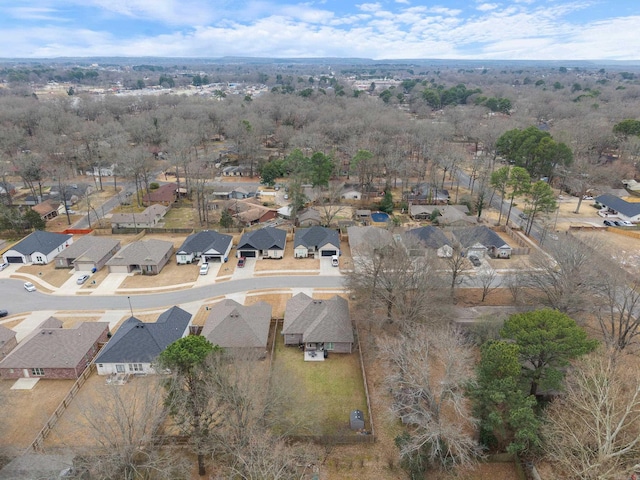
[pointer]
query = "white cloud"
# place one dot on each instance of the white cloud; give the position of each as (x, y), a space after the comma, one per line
(485, 7)
(34, 13)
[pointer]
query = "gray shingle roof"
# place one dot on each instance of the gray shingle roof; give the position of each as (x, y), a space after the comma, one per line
(55, 347)
(232, 325)
(481, 234)
(431, 237)
(89, 247)
(205, 241)
(361, 237)
(318, 320)
(40, 241)
(268, 238)
(316, 237)
(628, 209)
(139, 342)
(6, 334)
(147, 252)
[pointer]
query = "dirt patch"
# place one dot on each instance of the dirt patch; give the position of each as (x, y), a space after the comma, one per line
(171, 274)
(277, 301)
(622, 249)
(24, 412)
(48, 273)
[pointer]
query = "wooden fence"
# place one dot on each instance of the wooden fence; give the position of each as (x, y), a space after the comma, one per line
(36, 445)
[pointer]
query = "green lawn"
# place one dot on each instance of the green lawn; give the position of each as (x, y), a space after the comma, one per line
(321, 395)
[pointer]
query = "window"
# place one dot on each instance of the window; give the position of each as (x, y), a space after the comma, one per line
(328, 346)
(135, 367)
(119, 368)
(38, 258)
(37, 372)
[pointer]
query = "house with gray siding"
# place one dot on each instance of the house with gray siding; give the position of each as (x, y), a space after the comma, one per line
(147, 257)
(88, 252)
(319, 325)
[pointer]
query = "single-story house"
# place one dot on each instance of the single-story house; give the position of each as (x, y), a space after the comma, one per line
(8, 341)
(481, 240)
(319, 325)
(39, 247)
(364, 215)
(449, 215)
(350, 193)
(136, 344)
(321, 241)
(366, 239)
(51, 351)
(432, 238)
(209, 245)
(421, 212)
(308, 218)
(166, 195)
(232, 171)
(149, 218)
(235, 326)
(424, 194)
(268, 242)
(88, 252)
(617, 207)
(145, 256)
(47, 209)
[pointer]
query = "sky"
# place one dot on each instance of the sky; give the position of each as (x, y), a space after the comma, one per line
(383, 29)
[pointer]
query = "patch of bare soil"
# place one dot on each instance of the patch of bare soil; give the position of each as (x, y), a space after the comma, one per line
(171, 274)
(24, 412)
(288, 262)
(621, 249)
(277, 301)
(48, 273)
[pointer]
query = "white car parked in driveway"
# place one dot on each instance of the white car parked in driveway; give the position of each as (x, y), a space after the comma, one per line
(204, 269)
(3, 266)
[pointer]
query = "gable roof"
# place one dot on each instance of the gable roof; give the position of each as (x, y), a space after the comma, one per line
(232, 325)
(145, 217)
(40, 241)
(55, 347)
(142, 252)
(375, 237)
(46, 207)
(89, 247)
(431, 237)
(164, 193)
(6, 334)
(628, 209)
(318, 320)
(316, 237)
(205, 241)
(268, 238)
(309, 214)
(140, 342)
(480, 234)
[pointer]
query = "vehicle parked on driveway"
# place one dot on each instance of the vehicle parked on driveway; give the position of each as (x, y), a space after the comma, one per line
(626, 223)
(204, 269)
(29, 287)
(335, 261)
(241, 262)
(608, 223)
(3, 313)
(3, 266)
(82, 279)
(475, 261)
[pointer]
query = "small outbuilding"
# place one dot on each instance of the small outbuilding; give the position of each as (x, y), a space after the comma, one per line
(356, 420)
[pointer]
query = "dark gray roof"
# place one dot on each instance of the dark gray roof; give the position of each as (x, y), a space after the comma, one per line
(318, 320)
(480, 234)
(268, 238)
(40, 241)
(316, 237)
(205, 241)
(619, 205)
(139, 342)
(142, 252)
(232, 325)
(431, 237)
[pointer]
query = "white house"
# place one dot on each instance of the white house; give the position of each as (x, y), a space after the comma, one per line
(39, 247)
(209, 245)
(136, 345)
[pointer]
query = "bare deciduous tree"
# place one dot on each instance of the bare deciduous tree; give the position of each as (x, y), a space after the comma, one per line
(428, 372)
(593, 430)
(489, 281)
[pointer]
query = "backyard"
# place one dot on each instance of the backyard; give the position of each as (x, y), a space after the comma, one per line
(323, 393)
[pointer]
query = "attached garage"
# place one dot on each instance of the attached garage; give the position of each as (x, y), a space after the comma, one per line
(119, 269)
(247, 253)
(329, 253)
(15, 259)
(213, 258)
